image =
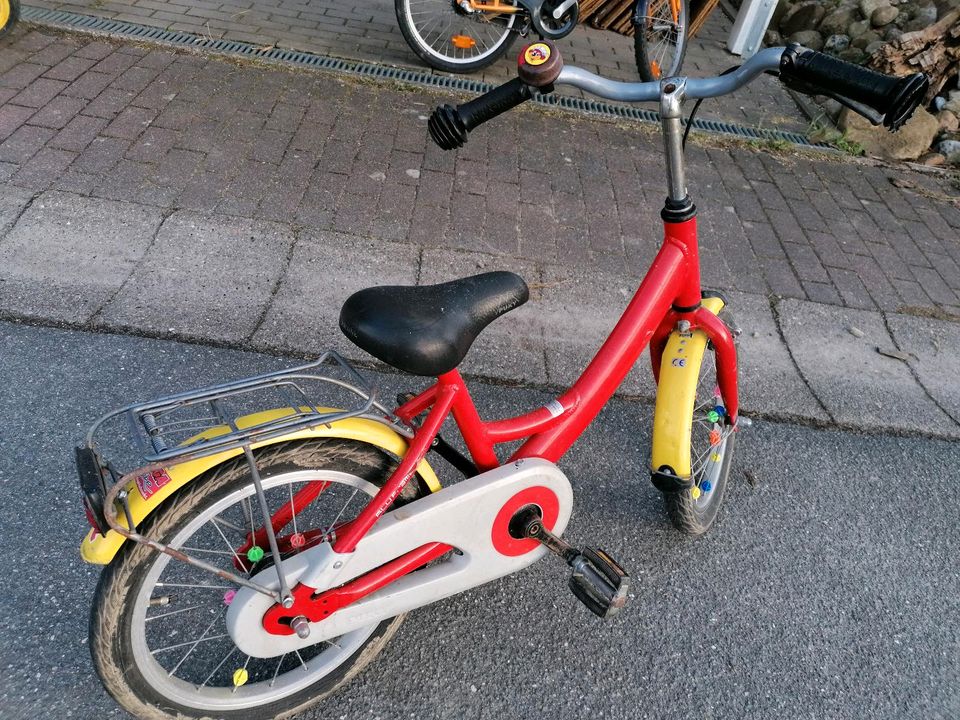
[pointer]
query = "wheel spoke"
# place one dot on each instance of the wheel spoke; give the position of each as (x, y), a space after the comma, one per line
(202, 638)
(199, 666)
(300, 658)
(191, 643)
(220, 665)
(242, 564)
(276, 672)
(172, 612)
(433, 25)
(340, 514)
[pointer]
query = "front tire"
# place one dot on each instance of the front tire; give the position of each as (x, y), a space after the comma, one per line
(448, 39)
(9, 14)
(157, 631)
(694, 511)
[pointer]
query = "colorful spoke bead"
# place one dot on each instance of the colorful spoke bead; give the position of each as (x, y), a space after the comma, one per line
(255, 554)
(297, 540)
(714, 437)
(240, 677)
(706, 486)
(713, 416)
(228, 596)
(720, 410)
(715, 457)
(695, 492)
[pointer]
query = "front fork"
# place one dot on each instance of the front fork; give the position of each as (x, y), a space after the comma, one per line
(691, 311)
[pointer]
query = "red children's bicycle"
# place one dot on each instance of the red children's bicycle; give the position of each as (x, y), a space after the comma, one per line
(256, 561)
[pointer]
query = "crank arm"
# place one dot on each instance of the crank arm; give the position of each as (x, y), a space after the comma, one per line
(597, 580)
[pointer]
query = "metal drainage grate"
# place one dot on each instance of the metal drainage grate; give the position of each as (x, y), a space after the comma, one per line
(118, 28)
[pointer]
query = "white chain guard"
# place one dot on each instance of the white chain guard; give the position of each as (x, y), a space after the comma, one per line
(460, 515)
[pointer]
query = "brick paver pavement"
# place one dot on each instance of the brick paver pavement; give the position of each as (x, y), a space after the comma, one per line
(367, 30)
(318, 151)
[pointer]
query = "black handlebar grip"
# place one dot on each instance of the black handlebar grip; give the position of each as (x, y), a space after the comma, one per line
(449, 126)
(893, 98)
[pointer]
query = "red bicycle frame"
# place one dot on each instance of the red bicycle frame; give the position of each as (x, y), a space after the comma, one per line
(670, 292)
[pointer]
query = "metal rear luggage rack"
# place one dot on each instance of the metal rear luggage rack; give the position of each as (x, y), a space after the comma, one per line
(198, 423)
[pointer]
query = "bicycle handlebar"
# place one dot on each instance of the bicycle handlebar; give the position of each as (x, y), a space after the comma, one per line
(538, 66)
(893, 99)
(449, 126)
(877, 97)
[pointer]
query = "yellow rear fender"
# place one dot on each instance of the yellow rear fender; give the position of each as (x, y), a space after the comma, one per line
(676, 396)
(101, 549)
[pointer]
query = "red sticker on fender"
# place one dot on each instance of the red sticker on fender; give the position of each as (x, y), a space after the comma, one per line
(151, 482)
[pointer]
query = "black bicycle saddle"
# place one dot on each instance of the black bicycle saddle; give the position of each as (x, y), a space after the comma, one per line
(428, 329)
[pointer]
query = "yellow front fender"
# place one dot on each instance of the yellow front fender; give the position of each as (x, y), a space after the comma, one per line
(101, 549)
(676, 395)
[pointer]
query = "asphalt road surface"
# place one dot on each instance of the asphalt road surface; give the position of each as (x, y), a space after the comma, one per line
(828, 590)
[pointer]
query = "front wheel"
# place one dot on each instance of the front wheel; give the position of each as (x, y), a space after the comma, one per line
(693, 437)
(9, 14)
(449, 37)
(660, 37)
(158, 635)
(712, 442)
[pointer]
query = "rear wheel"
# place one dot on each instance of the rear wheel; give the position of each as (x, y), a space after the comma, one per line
(9, 14)
(449, 38)
(157, 630)
(660, 37)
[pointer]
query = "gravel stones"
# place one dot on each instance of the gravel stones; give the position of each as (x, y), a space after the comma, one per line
(949, 123)
(808, 38)
(858, 28)
(950, 149)
(908, 143)
(837, 22)
(883, 16)
(836, 43)
(892, 33)
(868, 7)
(852, 55)
(921, 18)
(861, 41)
(802, 16)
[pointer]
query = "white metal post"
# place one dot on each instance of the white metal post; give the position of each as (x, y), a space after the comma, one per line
(746, 37)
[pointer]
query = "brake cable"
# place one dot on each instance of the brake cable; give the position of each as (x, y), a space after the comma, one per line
(696, 106)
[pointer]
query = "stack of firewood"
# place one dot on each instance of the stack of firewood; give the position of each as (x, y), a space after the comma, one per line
(935, 50)
(615, 15)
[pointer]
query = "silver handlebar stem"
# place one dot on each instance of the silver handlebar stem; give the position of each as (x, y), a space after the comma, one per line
(671, 92)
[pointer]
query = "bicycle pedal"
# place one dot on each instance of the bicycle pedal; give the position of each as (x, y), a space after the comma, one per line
(599, 582)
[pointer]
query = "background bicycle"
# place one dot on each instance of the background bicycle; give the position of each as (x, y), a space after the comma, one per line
(469, 35)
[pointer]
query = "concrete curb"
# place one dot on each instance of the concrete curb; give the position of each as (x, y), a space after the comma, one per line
(217, 279)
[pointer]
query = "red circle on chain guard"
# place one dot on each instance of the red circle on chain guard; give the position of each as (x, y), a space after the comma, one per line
(549, 504)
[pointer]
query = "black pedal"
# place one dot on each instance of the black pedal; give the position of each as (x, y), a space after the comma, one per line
(599, 582)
